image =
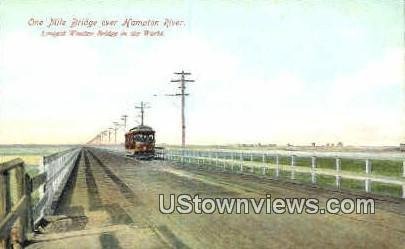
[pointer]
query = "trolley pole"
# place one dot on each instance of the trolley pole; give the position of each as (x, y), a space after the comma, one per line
(183, 95)
(142, 106)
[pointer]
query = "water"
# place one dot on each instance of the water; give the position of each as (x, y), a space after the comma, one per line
(31, 154)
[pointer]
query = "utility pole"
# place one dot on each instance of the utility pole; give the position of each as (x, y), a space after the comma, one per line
(183, 95)
(116, 124)
(143, 106)
(104, 134)
(109, 135)
(124, 118)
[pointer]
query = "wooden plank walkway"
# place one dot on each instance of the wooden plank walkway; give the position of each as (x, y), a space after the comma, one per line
(112, 202)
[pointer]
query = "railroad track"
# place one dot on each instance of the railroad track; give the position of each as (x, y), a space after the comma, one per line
(112, 202)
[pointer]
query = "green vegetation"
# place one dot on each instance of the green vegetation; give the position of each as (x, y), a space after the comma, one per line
(351, 184)
(326, 163)
(302, 177)
(326, 181)
(271, 173)
(303, 161)
(271, 159)
(285, 174)
(386, 167)
(386, 189)
(353, 165)
(284, 160)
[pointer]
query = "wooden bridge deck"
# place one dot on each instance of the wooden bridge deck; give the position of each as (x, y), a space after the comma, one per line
(111, 201)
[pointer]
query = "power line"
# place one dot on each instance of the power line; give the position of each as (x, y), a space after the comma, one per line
(183, 95)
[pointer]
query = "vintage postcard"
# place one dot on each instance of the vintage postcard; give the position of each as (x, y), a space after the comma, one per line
(202, 124)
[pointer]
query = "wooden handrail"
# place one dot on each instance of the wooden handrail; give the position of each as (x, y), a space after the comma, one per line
(6, 166)
(7, 223)
(16, 220)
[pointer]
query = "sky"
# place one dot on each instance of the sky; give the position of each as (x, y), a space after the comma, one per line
(265, 72)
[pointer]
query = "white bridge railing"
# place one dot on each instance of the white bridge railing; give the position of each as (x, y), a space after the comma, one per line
(293, 165)
(25, 199)
(56, 169)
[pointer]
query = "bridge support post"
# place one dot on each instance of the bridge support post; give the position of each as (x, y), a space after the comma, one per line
(403, 169)
(277, 166)
(313, 162)
(367, 185)
(403, 191)
(198, 161)
(338, 164)
(292, 160)
(338, 181)
(241, 161)
(368, 166)
(313, 177)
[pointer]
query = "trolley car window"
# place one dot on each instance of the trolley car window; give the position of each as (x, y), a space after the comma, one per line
(144, 138)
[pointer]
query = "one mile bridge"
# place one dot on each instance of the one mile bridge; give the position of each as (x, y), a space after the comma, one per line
(93, 197)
